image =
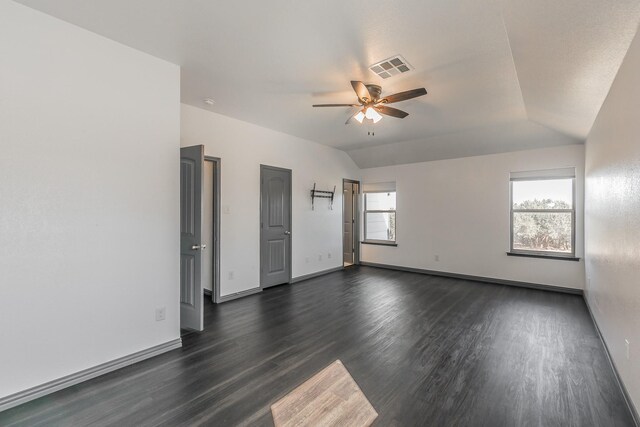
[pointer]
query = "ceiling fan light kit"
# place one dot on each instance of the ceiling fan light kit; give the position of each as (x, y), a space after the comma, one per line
(372, 114)
(373, 105)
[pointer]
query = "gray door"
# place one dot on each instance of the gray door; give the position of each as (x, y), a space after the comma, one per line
(191, 185)
(275, 226)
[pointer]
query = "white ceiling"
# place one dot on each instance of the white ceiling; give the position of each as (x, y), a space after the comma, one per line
(502, 75)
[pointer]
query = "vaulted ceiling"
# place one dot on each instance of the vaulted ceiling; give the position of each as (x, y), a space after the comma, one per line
(502, 75)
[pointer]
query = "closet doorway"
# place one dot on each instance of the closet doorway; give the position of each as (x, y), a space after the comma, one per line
(350, 223)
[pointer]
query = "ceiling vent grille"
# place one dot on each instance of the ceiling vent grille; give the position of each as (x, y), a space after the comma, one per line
(391, 67)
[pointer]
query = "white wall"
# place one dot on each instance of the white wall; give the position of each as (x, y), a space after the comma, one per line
(612, 213)
(242, 147)
(459, 209)
(89, 202)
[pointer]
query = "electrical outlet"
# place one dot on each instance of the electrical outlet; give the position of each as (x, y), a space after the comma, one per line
(627, 345)
(329, 255)
(161, 314)
(320, 257)
(231, 275)
(436, 257)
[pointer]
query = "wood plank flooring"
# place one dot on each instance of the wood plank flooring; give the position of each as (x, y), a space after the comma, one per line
(425, 350)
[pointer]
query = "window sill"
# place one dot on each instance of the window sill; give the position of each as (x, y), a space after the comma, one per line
(369, 242)
(557, 257)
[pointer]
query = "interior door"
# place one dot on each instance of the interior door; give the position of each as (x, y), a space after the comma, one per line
(348, 224)
(275, 226)
(191, 189)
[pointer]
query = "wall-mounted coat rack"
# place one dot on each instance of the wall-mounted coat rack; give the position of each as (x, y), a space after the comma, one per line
(322, 195)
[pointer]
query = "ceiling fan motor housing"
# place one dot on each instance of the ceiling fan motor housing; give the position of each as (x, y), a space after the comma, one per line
(375, 91)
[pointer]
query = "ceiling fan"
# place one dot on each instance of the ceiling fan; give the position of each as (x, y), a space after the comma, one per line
(373, 105)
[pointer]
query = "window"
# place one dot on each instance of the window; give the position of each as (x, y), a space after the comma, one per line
(543, 213)
(380, 214)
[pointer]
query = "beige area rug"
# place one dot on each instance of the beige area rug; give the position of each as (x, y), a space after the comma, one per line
(329, 398)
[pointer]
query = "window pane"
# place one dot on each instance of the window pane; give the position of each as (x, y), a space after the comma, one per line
(543, 194)
(380, 226)
(542, 231)
(381, 201)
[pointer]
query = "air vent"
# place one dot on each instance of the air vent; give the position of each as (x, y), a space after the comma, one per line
(391, 67)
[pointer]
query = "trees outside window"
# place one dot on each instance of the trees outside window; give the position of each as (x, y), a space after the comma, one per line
(380, 217)
(543, 216)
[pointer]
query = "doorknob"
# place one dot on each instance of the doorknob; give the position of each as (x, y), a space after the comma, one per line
(288, 233)
(195, 247)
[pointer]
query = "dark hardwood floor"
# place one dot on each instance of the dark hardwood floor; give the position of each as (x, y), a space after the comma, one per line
(428, 351)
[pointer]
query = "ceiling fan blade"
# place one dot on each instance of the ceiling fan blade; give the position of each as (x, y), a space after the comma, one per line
(389, 111)
(336, 105)
(403, 96)
(361, 90)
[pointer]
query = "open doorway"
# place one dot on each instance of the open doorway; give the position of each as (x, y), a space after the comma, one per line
(350, 223)
(211, 228)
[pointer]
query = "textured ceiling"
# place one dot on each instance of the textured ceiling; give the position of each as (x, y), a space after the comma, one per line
(502, 75)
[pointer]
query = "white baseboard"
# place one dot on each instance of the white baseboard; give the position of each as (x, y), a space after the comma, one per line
(84, 375)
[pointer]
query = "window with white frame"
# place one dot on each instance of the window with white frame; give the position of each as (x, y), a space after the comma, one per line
(543, 213)
(380, 213)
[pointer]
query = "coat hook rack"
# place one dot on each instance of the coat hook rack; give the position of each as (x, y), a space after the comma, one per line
(322, 195)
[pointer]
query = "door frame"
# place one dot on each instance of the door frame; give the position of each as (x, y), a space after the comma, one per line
(215, 286)
(356, 225)
(289, 245)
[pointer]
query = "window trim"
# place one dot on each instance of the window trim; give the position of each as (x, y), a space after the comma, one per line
(365, 212)
(544, 254)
